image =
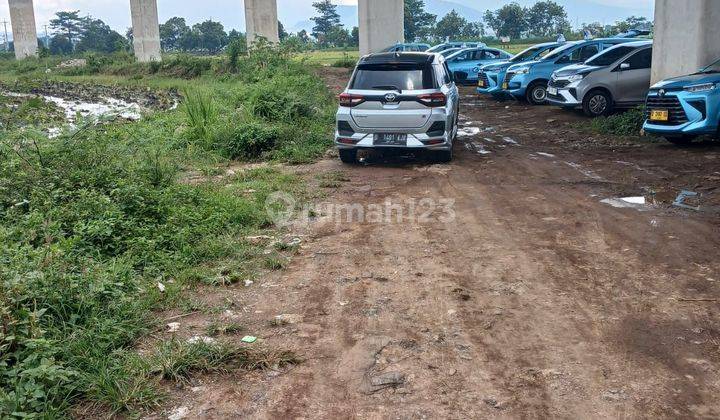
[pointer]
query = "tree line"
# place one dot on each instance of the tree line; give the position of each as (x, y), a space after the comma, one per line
(72, 33)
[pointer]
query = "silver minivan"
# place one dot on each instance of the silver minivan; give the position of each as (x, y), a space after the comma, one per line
(398, 101)
(618, 77)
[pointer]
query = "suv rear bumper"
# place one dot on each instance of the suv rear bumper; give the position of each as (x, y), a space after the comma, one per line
(417, 138)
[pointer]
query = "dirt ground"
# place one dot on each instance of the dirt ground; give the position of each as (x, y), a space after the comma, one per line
(537, 300)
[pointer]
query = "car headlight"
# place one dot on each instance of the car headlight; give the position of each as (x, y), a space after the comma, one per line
(700, 88)
(576, 78)
(476, 69)
(521, 70)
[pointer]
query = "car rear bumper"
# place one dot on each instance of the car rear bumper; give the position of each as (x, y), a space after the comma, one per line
(435, 134)
(414, 141)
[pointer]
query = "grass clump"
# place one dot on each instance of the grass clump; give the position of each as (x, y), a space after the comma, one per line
(177, 360)
(628, 123)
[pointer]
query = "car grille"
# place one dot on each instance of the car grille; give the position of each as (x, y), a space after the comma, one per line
(483, 77)
(676, 112)
(558, 83)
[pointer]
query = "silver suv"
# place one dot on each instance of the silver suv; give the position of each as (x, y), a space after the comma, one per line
(617, 77)
(398, 100)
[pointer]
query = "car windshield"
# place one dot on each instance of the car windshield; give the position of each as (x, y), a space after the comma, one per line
(524, 55)
(609, 56)
(393, 77)
(557, 52)
(712, 68)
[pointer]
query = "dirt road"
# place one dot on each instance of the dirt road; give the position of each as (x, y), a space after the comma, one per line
(536, 300)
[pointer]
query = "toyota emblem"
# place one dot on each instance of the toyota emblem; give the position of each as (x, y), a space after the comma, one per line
(390, 97)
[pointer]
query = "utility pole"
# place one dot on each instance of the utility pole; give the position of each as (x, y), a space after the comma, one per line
(7, 44)
(47, 40)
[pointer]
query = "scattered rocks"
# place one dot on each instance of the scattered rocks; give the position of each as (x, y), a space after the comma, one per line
(173, 327)
(179, 413)
(614, 395)
(387, 380)
(201, 339)
(289, 319)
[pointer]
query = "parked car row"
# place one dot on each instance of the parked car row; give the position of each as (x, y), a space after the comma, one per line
(601, 75)
(410, 100)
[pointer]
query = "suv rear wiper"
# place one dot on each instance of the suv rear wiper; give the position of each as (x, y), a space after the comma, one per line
(387, 87)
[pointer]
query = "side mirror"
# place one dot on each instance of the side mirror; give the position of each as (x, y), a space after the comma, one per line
(624, 66)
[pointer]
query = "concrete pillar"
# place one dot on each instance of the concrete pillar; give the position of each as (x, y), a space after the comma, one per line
(687, 37)
(261, 19)
(146, 30)
(382, 24)
(22, 17)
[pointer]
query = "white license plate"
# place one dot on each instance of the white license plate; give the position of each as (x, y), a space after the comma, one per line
(552, 91)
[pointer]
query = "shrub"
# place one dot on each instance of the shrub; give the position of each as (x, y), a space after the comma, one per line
(200, 111)
(628, 123)
(249, 140)
(345, 62)
(272, 102)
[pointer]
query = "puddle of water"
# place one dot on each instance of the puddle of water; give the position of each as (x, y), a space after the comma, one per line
(468, 131)
(72, 108)
(638, 203)
(114, 106)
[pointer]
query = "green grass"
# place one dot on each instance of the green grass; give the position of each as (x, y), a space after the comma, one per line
(93, 220)
(626, 123)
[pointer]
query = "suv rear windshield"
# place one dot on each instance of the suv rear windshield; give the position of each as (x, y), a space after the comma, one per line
(610, 56)
(393, 77)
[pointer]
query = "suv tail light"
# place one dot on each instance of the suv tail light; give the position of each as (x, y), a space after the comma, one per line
(433, 99)
(349, 100)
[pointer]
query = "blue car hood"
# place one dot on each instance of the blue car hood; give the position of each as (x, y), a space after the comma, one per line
(500, 65)
(692, 79)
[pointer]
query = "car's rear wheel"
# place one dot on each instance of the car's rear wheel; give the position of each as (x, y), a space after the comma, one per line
(681, 140)
(536, 93)
(597, 103)
(348, 156)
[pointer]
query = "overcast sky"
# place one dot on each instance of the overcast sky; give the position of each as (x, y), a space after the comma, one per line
(230, 12)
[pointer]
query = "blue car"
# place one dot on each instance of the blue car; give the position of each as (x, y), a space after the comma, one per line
(465, 64)
(447, 45)
(685, 107)
(407, 47)
(529, 80)
(491, 75)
